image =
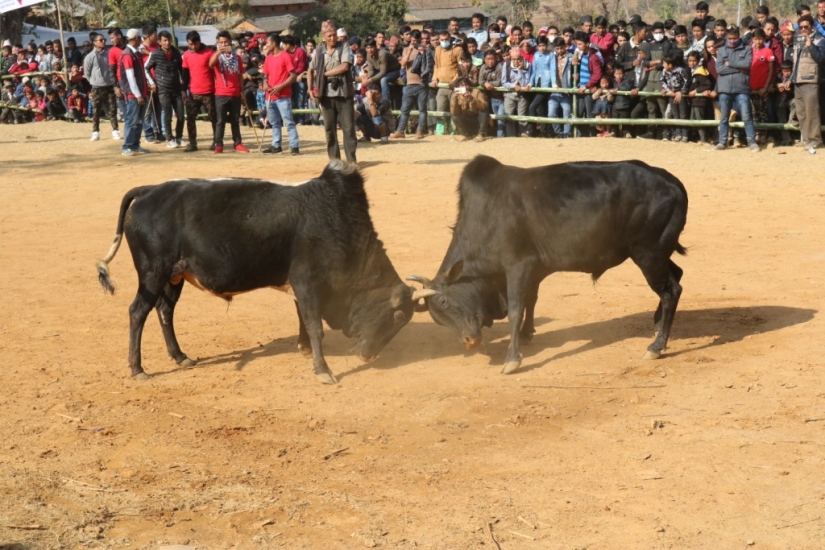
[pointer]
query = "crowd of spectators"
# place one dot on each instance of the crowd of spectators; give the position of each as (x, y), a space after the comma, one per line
(762, 71)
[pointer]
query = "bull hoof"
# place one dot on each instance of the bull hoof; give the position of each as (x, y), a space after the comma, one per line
(141, 376)
(326, 378)
(651, 355)
(511, 366)
(525, 337)
(306, 351)
(186, 362)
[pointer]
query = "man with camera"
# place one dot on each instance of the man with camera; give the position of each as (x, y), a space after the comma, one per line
(447, 56)
(332, 88)
(417, 59)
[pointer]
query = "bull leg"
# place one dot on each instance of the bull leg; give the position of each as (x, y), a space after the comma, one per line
(310, 312)
(138, 311)
(166, 314)
(518, 280)
(657, 317)
(304, 345)
(528, 328)
(663, 280)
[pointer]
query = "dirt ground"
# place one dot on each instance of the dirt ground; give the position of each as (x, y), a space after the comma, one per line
(719, 444)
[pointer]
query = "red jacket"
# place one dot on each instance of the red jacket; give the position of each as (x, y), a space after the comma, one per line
(605, 43)
(76, 102)
(775, 44)
(23, 68)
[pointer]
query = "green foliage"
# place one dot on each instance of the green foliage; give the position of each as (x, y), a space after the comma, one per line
(359, 17)
(134, 13)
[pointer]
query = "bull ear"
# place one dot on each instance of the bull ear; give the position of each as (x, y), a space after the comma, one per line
(454, 273)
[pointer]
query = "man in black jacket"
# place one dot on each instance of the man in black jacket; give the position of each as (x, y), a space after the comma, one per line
(167, 83)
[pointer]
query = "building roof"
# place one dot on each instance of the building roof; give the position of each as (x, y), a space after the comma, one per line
(257, 3)
(437, 14)
(274, 23)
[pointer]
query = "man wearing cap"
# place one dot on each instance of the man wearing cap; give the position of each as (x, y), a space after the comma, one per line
(331, 86)
(100, 77)
(654, 51)
(134, 88)
(342, 34)
(479, 32)
(355, 44)
(733, 63)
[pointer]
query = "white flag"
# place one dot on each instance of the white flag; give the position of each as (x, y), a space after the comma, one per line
(8, 5)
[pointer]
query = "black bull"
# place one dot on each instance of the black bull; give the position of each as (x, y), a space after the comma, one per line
(517, 226)
(314, 240)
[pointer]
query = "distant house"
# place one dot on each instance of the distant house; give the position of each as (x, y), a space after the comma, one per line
(282, 7)
(273, 23)
(439, 17)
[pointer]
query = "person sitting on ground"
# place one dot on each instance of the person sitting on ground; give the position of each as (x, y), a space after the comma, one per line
(374, 115)
(76, 105)
(54, 105)
(38, 106)
(469, 108)
(8, 100)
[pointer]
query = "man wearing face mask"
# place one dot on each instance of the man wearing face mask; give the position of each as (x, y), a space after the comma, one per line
(446, 70)
(654, 52)
(733, 63)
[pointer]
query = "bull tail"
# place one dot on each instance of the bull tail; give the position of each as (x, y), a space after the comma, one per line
(103, 265)
(681, 249)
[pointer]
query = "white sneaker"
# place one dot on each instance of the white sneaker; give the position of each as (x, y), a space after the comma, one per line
(179, 141)
(95, 136)
(115, 135)
(812, 150)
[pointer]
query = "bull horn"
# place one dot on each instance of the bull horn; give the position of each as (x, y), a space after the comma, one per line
(423, 293)
(419, 279)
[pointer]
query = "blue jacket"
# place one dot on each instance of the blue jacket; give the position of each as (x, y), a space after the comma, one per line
(732, 80)
(543, 67)
(511, 76)
(567, 73)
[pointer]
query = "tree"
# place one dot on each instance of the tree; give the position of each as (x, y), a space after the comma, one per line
(521, 10)
(11, 25)
(359, 17)
(134, 13)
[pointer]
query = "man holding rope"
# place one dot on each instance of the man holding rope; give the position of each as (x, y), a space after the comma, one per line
(280, 75)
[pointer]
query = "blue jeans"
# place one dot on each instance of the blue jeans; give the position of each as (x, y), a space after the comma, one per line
(280, 115)
(385, 83)
(299, 99)
(133, 122)
(414, 94)
(565, 102)
(741, 103)
(498, 109)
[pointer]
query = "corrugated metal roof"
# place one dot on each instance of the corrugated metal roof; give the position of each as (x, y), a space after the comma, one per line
(275, 23)
(258, 3)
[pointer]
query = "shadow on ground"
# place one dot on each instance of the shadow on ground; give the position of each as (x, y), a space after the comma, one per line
(424, 341)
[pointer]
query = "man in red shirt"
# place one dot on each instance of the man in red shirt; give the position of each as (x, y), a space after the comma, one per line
(133, 85)
(299, 62)
(227, 69)
(280, 75)
(199, 80)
